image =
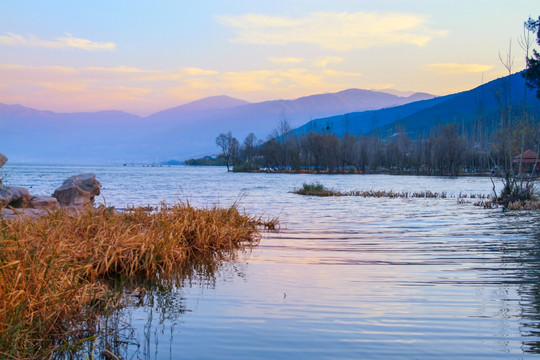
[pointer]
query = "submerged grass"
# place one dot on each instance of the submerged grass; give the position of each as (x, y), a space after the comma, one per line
(54, 270)
(482, 200)
(317, 189)
(524, 205)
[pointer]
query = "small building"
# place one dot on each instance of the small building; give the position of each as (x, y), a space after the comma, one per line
(530, 163)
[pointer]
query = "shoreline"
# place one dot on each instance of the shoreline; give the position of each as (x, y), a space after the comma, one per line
(395, 173)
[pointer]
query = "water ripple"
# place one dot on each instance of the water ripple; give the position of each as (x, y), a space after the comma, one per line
(346, 277)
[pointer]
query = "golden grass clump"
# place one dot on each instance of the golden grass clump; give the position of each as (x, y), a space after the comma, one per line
(53, 269)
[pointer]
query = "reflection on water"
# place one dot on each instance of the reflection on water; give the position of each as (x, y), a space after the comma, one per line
(529, 293)
(146, 313)
(345, 277)
(163, 305)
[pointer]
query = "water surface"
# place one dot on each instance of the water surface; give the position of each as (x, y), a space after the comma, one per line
(345, 278)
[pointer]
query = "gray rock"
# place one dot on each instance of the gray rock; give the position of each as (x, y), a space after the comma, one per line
(44, 202)
(23, 214)
(7, 212)
(3, 159)
(78, 191)
(14, 196)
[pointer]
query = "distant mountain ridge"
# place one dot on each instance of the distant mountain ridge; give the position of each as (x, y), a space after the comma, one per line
(211, 103)
(347, 99)
(181, 132)
(478, 107)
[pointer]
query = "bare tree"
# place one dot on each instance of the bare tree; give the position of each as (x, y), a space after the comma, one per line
(249, 148)
(229, 148)
(281, 133)
(284, 127)
(508, 63)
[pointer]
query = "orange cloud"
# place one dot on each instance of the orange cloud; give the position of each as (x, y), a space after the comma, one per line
(325, 61)
(332, 30)
(61, 88)
(455, 68)
(286, 60)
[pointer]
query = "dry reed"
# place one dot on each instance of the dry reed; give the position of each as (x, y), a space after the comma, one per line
(53, 270)
(524, 205)
(317, 189)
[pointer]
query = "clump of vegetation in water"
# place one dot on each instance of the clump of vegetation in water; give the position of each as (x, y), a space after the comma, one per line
(524, 205)
(54, 271)
(317, 189)
(483, 200)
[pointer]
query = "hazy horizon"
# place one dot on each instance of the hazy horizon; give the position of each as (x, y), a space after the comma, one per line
(398, 93)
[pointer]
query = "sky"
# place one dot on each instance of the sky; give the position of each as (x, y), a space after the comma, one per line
(145, 56)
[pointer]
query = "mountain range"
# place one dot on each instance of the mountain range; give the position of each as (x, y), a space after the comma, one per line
(475, 110)
(30, 135)
(190, 130)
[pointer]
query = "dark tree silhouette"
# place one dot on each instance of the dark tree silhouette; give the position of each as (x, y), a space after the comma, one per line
(229, 148)
(249, 148)
(533, 63)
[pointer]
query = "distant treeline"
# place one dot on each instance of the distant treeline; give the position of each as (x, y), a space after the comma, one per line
(444, 152)
(207, 161)
(447, 150)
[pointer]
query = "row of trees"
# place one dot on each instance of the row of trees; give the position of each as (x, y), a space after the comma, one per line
(444, 152)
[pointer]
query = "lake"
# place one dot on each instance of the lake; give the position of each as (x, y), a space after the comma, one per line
(344, 278)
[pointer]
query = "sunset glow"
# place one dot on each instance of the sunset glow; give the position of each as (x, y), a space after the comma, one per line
(150, 56)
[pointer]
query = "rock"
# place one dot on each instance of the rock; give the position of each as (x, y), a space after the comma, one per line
(78, 191)
(5, 196)
(23, 214)
(20, 195)
(3, 159)
(44, 202)
(14, 196)
(76, 195)
(8, 212)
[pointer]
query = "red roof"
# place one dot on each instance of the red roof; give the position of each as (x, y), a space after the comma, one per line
(529, 156)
